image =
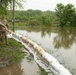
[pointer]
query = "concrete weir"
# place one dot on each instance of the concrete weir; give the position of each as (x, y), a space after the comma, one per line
(39, 53)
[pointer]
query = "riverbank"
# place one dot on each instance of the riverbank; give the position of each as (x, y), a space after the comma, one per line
(16, 60)
(11, 53)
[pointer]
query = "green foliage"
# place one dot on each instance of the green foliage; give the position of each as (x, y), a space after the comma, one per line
(42, 72)
(2, 10)
(66, 14)
(4, 4)
(34, 17)
(47, 18)
(11, 53)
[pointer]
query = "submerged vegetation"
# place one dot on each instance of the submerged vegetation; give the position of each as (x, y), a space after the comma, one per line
(42, 72)
(12, 53)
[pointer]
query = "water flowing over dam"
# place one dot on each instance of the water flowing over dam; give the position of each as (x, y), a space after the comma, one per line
(45, 60)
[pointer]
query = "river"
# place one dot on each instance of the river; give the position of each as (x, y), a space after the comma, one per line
(59, 42)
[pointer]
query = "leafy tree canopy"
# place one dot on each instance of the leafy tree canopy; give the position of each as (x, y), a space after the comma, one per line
(66, 14)
(5, 3)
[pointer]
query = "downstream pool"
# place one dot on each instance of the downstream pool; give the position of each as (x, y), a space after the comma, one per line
(59, 42)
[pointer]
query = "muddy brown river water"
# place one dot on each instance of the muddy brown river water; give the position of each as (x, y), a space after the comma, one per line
(59, 42)
(26, 67)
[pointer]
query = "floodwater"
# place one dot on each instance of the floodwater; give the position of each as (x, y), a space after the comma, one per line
(59, 42)
(25, 67)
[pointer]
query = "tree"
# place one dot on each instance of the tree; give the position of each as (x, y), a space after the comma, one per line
(59, 12)
(69, 13)
(66, 14)
(2, 10)
(5, 3)
(47, 18)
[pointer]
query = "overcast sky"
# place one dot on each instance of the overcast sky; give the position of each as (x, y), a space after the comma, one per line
(45, 4)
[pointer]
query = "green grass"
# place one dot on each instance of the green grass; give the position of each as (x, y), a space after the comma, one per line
(11, 53)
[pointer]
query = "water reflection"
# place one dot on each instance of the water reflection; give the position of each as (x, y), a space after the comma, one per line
(23, 68)
(14, 69)
(59, 42)
(45, 31)
(65, 38)
(15, 60)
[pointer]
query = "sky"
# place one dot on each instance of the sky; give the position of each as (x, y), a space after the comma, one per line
(45, 5)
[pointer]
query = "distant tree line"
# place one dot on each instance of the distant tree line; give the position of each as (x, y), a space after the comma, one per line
(34, 17)
(64, 15)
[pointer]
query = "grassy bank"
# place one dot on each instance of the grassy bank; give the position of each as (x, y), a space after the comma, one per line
(11, 53)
